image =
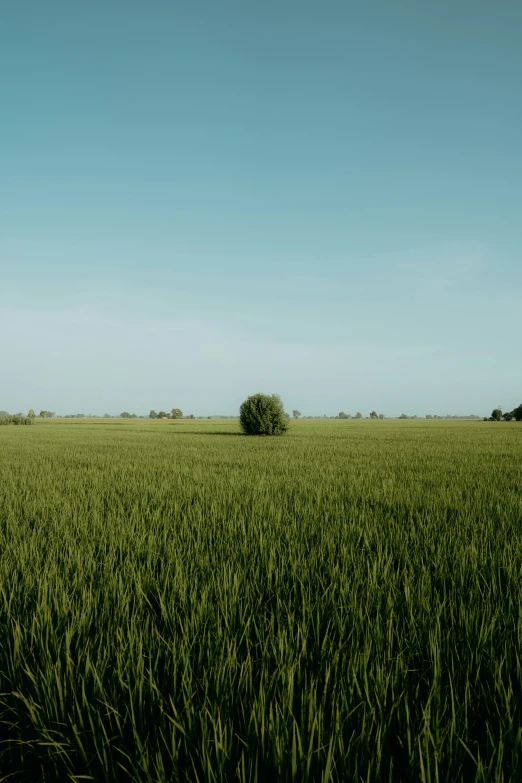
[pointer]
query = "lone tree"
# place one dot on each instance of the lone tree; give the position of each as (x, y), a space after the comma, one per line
(263, 414)
(296, 413)
(176, 413)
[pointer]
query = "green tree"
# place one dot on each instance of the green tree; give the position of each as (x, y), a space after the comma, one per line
(125, 415)
(342, 415)
(496, 414)
(263, 414)
(153, 415)
(176, 413)
(20, 419)
(358, 415)
(373, 415)
(403, 416)
(296, 413)
(31, 415)
(381, 415)
(162, 415)
(517, 413)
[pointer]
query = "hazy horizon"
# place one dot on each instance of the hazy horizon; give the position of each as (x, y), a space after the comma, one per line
(318, 200)
(222, 415)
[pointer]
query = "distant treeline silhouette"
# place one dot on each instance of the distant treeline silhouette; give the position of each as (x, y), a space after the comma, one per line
(498, 415)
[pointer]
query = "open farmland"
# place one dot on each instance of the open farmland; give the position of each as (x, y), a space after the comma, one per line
(182, 603)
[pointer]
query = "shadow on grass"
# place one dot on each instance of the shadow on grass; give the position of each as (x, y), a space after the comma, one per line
(219, 432)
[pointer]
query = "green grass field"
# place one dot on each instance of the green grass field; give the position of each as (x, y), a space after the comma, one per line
(182, 603)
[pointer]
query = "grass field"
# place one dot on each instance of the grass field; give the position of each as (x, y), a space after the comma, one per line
(182, 603)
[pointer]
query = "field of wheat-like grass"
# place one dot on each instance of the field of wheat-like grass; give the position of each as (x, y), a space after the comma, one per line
(179, 602)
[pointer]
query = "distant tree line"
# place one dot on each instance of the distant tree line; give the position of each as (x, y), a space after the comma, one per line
(436, 416)
(175, 413)
(375, 415)
(17, 419)
(358, 415)
(498, 415)
(31, 415)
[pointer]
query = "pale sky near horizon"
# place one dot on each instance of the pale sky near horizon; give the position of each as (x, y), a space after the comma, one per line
(203, 200)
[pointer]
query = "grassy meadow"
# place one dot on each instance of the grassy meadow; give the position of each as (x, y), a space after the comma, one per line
(179, 602)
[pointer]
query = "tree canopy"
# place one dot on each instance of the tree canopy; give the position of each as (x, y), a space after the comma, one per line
(497, 414)
(263, 414)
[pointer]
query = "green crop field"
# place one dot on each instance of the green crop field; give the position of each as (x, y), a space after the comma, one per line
(182, 603)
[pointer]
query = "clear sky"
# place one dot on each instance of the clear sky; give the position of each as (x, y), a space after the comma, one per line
(202, 200)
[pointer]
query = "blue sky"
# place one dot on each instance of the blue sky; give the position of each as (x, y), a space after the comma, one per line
(203, 200)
